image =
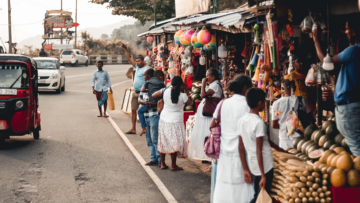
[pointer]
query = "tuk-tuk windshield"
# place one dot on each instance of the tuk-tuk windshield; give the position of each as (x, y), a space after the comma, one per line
(14, 76)
(47, 64)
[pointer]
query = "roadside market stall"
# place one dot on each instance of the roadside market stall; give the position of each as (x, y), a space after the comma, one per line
(319, 167)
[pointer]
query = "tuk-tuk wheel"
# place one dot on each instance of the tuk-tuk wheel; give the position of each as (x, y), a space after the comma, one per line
(36, 133)
(2, 141)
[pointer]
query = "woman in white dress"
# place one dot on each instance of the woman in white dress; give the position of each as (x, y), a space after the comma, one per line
(230, 184)
(202, 123)
(172, 135)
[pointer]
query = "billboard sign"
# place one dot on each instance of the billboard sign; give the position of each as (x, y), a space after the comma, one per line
(191, 7)
(60, 21)
(58, 46)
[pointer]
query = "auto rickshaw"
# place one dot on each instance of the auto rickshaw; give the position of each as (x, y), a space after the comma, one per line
(19, 104)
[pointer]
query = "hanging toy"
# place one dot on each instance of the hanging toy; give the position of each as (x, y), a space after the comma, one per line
(150, 39)
(194, 40)
(185, 37)
(212, 43)
(290, 30)
(177, 36)
(257, 36)
(204, 36)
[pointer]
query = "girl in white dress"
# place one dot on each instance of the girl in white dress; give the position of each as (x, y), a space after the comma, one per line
(202, 123)
(230, 184)
(172, 135)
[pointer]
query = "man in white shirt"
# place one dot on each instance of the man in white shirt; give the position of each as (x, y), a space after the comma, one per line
(253, 139)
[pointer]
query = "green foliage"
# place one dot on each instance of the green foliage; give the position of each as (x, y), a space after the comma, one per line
(143, 10)
(229, 4)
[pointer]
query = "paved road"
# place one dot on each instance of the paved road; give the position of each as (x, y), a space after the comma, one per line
(82, 158)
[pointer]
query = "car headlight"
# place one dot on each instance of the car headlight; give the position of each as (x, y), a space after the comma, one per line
(19, 104)
(54, 76)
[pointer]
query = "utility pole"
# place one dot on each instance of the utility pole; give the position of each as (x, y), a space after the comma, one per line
(76, 27)
(61, 28)
(9, 19)
(155, 12)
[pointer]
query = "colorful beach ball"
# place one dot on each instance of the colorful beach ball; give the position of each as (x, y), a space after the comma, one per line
(185, 38)
(207, 47)
(204, 36)
(212, 43)
(194, 40)
(150, 39)
(177, 36)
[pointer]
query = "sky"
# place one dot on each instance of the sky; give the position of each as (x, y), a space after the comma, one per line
(28, 15)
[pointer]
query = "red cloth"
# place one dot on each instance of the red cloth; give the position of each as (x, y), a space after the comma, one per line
(345, 195)
(189, 80)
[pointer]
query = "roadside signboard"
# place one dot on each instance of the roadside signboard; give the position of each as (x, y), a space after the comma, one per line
(47, 46)
(191, 7)
(58, 46)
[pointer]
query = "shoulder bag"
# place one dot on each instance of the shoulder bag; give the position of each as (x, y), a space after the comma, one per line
(211, 103)
(212, 142)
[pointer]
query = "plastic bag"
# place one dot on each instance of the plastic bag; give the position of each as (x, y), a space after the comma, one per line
(323, 77)
(311, 77)
(306, 25)
(292, 124)
(263, 197)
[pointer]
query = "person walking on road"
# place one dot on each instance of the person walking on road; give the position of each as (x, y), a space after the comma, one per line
(230, 183)
(346, 96)
(172, 135)
(139, 82)
(100, 85)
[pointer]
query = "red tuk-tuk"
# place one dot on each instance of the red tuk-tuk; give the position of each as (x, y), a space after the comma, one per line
(19, 104)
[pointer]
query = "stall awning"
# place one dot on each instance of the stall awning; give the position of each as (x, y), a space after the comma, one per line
(199, 19)
(165, 28)
(234, 23)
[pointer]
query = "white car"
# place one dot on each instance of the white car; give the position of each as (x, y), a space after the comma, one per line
(73, 57)
(51, 74)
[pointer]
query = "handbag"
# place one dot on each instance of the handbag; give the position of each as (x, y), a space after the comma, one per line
(161, 103)
(212, 142)
(210, 104)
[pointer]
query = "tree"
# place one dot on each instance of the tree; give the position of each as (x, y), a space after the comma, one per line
(143, 10)
(229, 4)
(104, 37)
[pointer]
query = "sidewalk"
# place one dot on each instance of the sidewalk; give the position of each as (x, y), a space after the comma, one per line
(190, 185)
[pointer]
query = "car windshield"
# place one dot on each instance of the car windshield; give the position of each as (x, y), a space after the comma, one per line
(46, 64)
(14, 76)
(67, 53)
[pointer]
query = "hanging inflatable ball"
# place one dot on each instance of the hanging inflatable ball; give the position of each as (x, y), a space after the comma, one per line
(177, 36)
(204, 36)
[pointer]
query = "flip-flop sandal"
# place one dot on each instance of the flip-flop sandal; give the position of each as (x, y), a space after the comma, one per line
(163, 168)
(178, 168)
(130, 133)
(106, 116)
(99, 116)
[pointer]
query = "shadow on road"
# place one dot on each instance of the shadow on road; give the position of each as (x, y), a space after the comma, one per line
(16, 143)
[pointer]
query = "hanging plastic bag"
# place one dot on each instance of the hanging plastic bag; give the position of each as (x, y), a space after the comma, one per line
(263, 197)
(323, 77)
(292, 124)
(306, 25)
(311, 77)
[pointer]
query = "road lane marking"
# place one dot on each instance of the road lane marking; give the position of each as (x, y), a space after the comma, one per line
(168, 196)
(121, 83)
(74, 76)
